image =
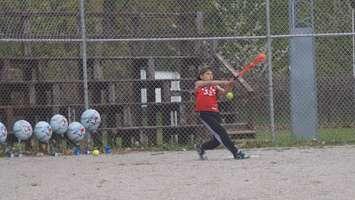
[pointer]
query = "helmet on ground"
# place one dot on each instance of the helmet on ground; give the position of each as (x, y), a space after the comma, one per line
(3, 133)
(43, 131)
(91, 120)
(76, 132)
(22, 129)
(59, 124)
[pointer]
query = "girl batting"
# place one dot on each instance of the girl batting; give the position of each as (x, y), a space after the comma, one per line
(206, 91)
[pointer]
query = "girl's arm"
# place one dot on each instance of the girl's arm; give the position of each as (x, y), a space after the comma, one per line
(212, 82)
(227, 88)
(221, 90)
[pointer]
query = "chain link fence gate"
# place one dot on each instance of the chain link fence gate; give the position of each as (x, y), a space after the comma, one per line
(136, 61)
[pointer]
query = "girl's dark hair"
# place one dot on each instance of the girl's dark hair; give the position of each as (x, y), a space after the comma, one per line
(203, 70)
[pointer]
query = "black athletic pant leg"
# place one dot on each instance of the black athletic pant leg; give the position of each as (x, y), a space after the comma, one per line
(212, 121)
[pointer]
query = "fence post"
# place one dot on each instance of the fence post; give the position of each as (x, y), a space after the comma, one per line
(353, 30)
(352, 3)
(83, 53)
(269, 62)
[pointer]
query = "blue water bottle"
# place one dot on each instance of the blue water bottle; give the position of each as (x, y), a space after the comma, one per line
(76, 151)
(108, 149)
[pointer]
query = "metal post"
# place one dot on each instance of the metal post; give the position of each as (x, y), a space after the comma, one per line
(269, 62)
(352, 2)
(83, 52)
(353, 31)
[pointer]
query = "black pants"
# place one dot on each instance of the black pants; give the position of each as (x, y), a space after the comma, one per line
(212, 121)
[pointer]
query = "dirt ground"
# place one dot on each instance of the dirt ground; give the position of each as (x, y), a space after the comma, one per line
(295, 173)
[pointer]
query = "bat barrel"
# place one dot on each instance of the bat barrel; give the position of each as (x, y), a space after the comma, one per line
(260, 58)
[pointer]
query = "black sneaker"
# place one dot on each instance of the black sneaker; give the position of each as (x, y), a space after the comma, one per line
(240, 155)
(200, 152)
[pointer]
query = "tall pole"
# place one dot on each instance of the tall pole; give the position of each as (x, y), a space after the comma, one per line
(269, 61)
(353, 32)
(352, 3)
(83, 52)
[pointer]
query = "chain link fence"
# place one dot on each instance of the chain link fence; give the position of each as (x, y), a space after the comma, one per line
(135, 62)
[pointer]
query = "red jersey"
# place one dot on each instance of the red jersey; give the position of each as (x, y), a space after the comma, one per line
(206, 99)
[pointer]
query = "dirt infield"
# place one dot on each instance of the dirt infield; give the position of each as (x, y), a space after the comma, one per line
(296, 173)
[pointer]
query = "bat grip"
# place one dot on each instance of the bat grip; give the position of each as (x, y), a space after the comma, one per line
(238, 76)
